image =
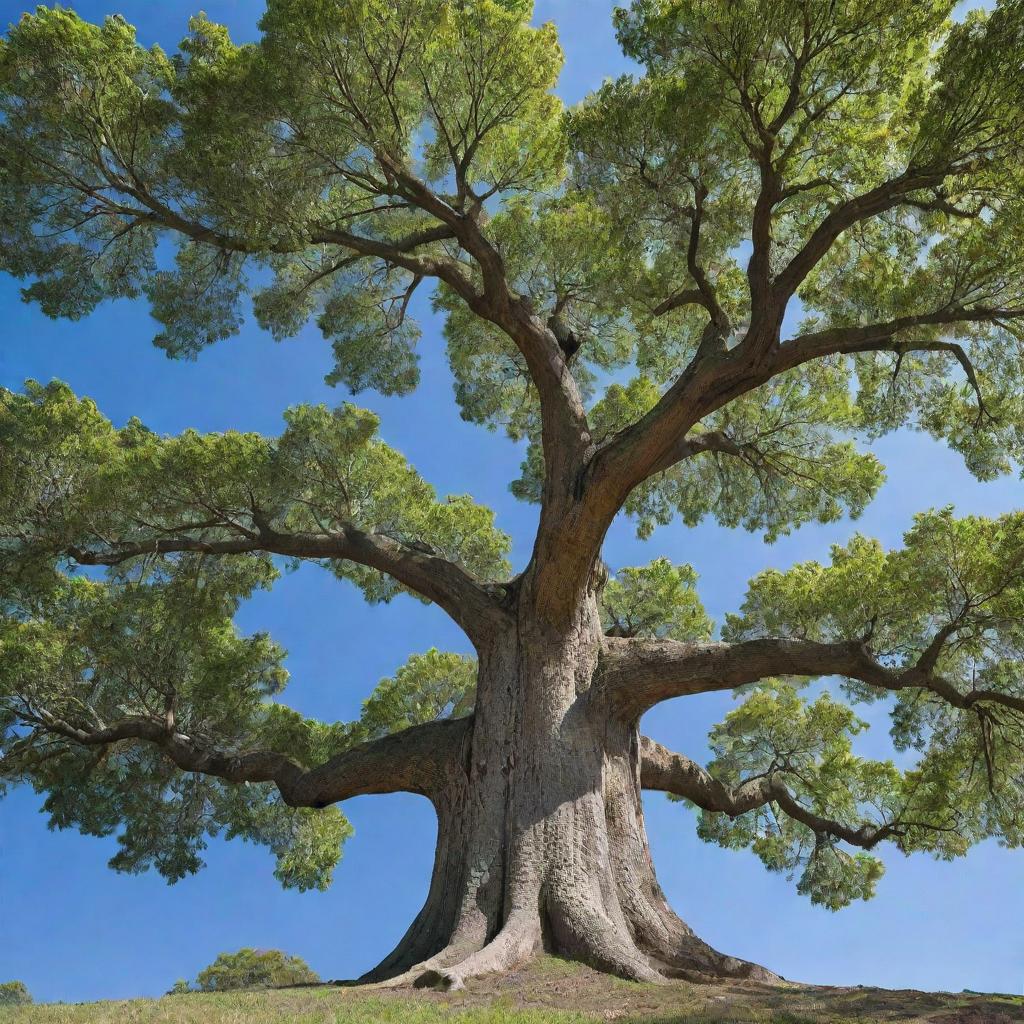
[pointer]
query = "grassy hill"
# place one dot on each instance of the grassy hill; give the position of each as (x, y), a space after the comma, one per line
(548, 992)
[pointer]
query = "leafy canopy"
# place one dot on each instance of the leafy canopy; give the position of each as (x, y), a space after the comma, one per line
(658, 599)
(949, 605)
(808, 744)
(282, 169)
(109, 146)
(858, 165)
(154, 638)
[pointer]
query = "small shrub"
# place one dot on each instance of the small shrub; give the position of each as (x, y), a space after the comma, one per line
(14, 993)
(254, 968)
(180, 988)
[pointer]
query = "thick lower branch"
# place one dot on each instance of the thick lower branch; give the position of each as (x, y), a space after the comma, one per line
(420, 759)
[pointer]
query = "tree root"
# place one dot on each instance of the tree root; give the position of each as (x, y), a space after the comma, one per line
(676, 952)
(517, 941)
(585, 933)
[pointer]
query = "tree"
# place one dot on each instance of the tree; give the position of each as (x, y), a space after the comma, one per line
(254, 968)
(14, 993)
(616, 281)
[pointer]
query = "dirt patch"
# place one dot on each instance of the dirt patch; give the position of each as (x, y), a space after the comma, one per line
(554, 984)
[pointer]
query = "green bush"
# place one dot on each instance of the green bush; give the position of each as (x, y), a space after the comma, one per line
(254, 968)
(180, 988)
(14, 993)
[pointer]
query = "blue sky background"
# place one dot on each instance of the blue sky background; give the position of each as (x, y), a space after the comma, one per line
(73, 930)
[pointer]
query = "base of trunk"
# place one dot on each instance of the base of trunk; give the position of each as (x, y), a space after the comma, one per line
(541, 839)
(577, 883)
(588, 938)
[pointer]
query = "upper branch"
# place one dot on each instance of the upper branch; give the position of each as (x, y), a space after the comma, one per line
(660, 439)
(881, 337)
(887, 196)
(468, 601)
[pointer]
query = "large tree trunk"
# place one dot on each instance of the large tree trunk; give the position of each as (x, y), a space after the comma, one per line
(541, 842)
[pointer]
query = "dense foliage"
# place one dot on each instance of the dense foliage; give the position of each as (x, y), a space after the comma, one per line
(799, 227)
(14, 993)
(254, 968)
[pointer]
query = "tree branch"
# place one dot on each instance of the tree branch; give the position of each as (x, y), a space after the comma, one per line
(715, 377)
(562, 411)
(468, 601)
(877, 337)
(563, 415)
(420, 759)
(884, 197)
(658, 440)
(636, 674)
(662, 769)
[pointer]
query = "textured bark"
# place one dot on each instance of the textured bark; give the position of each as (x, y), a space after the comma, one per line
(541, 841)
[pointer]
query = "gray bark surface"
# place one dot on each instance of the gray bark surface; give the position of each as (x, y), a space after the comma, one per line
(541, 840)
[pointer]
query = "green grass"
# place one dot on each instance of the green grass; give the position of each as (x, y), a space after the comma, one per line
(549, 991)
(321, 1007)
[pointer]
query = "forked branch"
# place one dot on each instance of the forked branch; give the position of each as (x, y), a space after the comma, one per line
(662, 769)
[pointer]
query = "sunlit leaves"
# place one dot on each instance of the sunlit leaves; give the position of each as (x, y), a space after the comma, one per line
(851, 77)
(947, 609)
(965, 575)
(943, 804)
(576, 268)
(771, 460)
(808, 747)
(427, 687)
(70, 480)
(645, 150)
(654, 600)
(157, 644)
(953, 595)
(253, 968)
(259, 162)
(265, 155)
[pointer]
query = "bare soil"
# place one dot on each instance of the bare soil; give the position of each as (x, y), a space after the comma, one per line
(553, 984)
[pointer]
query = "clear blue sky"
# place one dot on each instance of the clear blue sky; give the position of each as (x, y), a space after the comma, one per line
(73, 930)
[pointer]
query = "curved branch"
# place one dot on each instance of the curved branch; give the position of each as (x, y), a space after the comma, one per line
(886, 196)
(686, 297)
(467, 600)
(636, 674)
(662, 769)
(562, 409)
(879, 337)
(420, 759)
